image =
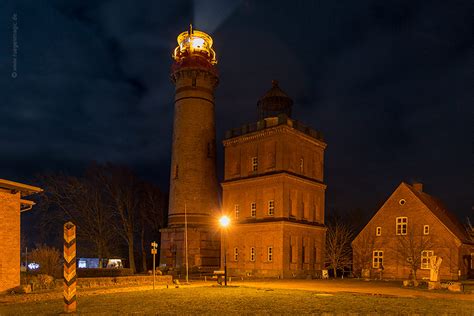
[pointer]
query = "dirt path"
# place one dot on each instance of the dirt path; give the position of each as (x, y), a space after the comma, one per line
(384, 288)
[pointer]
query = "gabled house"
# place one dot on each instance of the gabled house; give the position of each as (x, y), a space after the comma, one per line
(409, 228)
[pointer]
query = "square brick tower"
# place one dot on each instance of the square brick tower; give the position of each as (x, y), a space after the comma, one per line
(191, 235)
(11, 205)
(273, 191)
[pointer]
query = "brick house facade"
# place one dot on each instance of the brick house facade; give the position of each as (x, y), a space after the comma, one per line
(11, 205)
(273, 191)
(410, 227)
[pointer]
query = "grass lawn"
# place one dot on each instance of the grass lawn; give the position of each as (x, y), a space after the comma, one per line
(239, 300)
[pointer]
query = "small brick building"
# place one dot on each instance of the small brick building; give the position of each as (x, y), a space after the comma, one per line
(273, 191)
(11, 205)
(412, 226)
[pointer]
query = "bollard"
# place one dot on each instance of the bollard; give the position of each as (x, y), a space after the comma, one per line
(70, 278)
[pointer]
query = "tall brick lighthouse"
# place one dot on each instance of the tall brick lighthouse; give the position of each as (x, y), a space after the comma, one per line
(191, 235)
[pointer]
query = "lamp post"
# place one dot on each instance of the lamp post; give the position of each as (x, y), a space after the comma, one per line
(224, 222)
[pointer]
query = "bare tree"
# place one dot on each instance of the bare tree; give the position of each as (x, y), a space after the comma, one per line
(409, 248)
(123, 189)
(48, 258)
(362, 252)
(82, 201)
(338, 244)
(469, 229)
(152, 208)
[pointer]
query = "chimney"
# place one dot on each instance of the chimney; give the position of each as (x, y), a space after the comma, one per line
(418, 186)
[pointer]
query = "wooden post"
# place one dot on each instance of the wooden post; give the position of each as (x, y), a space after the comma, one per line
(70, 278)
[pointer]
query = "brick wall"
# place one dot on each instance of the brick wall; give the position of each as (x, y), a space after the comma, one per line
(403, 203)
(9, 240)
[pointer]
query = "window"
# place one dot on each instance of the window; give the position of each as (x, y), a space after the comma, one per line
(236, 254)
(402, 223)
(402, 201)
(271, 207)
(301, 165)
(426, 229)
(253, 209)
(425, 258)
(472, 261)
(237, 211)
(378, 231)
(252, 254)
(270, 254)
(176, 170)
(377, 259)
(254, 163)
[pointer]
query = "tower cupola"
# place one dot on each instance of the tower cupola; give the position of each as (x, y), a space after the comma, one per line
(274, 102)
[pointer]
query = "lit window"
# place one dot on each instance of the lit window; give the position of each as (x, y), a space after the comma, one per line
(237, 210)
(425, 258)
(252, 254)
(426, 229)
(270, 254)
(254, 163)
(271, 207)
(253, 209)
(377, 259)
(301, 165)
(236, 254)
(402, 223)
(378, 231)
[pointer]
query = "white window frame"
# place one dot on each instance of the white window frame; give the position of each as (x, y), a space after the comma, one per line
(271, 207)
(254, 161)
(253, 209)
(425, 259)
(253, 254)
(378, 231)
(401, 225)
(237, 211)
(270, 254)
(236, 254)
(426, 229)
(377, 259)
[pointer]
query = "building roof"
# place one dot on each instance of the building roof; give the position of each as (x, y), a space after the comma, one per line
(24, 189)
(274, 102)
(441, 212)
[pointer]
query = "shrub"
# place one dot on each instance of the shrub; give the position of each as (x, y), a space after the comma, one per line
(49, 260)
(97, 273)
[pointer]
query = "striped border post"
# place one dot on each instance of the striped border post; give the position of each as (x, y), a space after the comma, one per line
(70, 303)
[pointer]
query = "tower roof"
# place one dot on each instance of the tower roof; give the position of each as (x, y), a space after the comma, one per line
(274, 102)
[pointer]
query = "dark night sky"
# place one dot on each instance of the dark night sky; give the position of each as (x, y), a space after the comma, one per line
(389, 83)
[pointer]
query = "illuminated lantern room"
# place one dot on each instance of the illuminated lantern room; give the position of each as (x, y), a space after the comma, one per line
(193, 43)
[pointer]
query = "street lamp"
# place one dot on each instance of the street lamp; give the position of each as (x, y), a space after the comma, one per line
(224, 221)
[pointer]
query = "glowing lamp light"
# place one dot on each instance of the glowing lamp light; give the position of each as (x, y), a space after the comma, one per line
(194, 43)
(33, 266)
(224, 221)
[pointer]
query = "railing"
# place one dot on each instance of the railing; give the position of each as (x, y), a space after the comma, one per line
(272, 122)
